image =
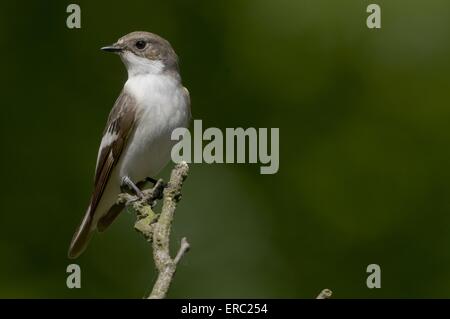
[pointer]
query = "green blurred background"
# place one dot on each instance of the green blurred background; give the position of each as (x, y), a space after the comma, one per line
(364, 147)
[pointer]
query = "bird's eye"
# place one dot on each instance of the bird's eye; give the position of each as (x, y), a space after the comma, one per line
(140, 44)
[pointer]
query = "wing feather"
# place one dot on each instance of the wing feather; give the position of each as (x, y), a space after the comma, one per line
(120, 124)
(115, 135)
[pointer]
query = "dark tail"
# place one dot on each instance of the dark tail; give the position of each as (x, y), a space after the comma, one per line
(81, 237)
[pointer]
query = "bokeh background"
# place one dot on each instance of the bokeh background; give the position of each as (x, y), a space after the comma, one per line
(364, 147)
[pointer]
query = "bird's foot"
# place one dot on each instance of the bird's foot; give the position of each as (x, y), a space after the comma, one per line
(128, 183)
(156, 182)
(158, 187)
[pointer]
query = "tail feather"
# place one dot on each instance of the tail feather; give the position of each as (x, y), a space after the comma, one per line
(109, 217)
(82, 236)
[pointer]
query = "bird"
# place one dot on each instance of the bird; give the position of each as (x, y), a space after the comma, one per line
(136, 142)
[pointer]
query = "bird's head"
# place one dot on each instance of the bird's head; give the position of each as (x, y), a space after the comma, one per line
(145, 53)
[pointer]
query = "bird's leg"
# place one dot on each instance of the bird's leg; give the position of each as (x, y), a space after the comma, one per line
(127, 182)
(158, 187)
(151, 180)
(156, 182)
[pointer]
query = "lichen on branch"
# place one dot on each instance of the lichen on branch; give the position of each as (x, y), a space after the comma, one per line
(156, 228)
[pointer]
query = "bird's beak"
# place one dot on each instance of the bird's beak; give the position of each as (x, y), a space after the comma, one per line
(113, 48)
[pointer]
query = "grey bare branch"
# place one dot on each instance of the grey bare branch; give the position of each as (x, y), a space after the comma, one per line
(156, 228)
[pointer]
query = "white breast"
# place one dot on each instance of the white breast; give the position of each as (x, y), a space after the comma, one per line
(162, 106)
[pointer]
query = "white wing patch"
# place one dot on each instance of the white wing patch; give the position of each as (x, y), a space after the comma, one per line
(107, 140)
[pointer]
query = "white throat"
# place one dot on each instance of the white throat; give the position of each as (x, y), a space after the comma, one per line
(137, 66)
(151, 87)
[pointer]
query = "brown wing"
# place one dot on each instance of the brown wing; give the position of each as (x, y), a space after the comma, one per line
(115, 135)
(119, 125)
